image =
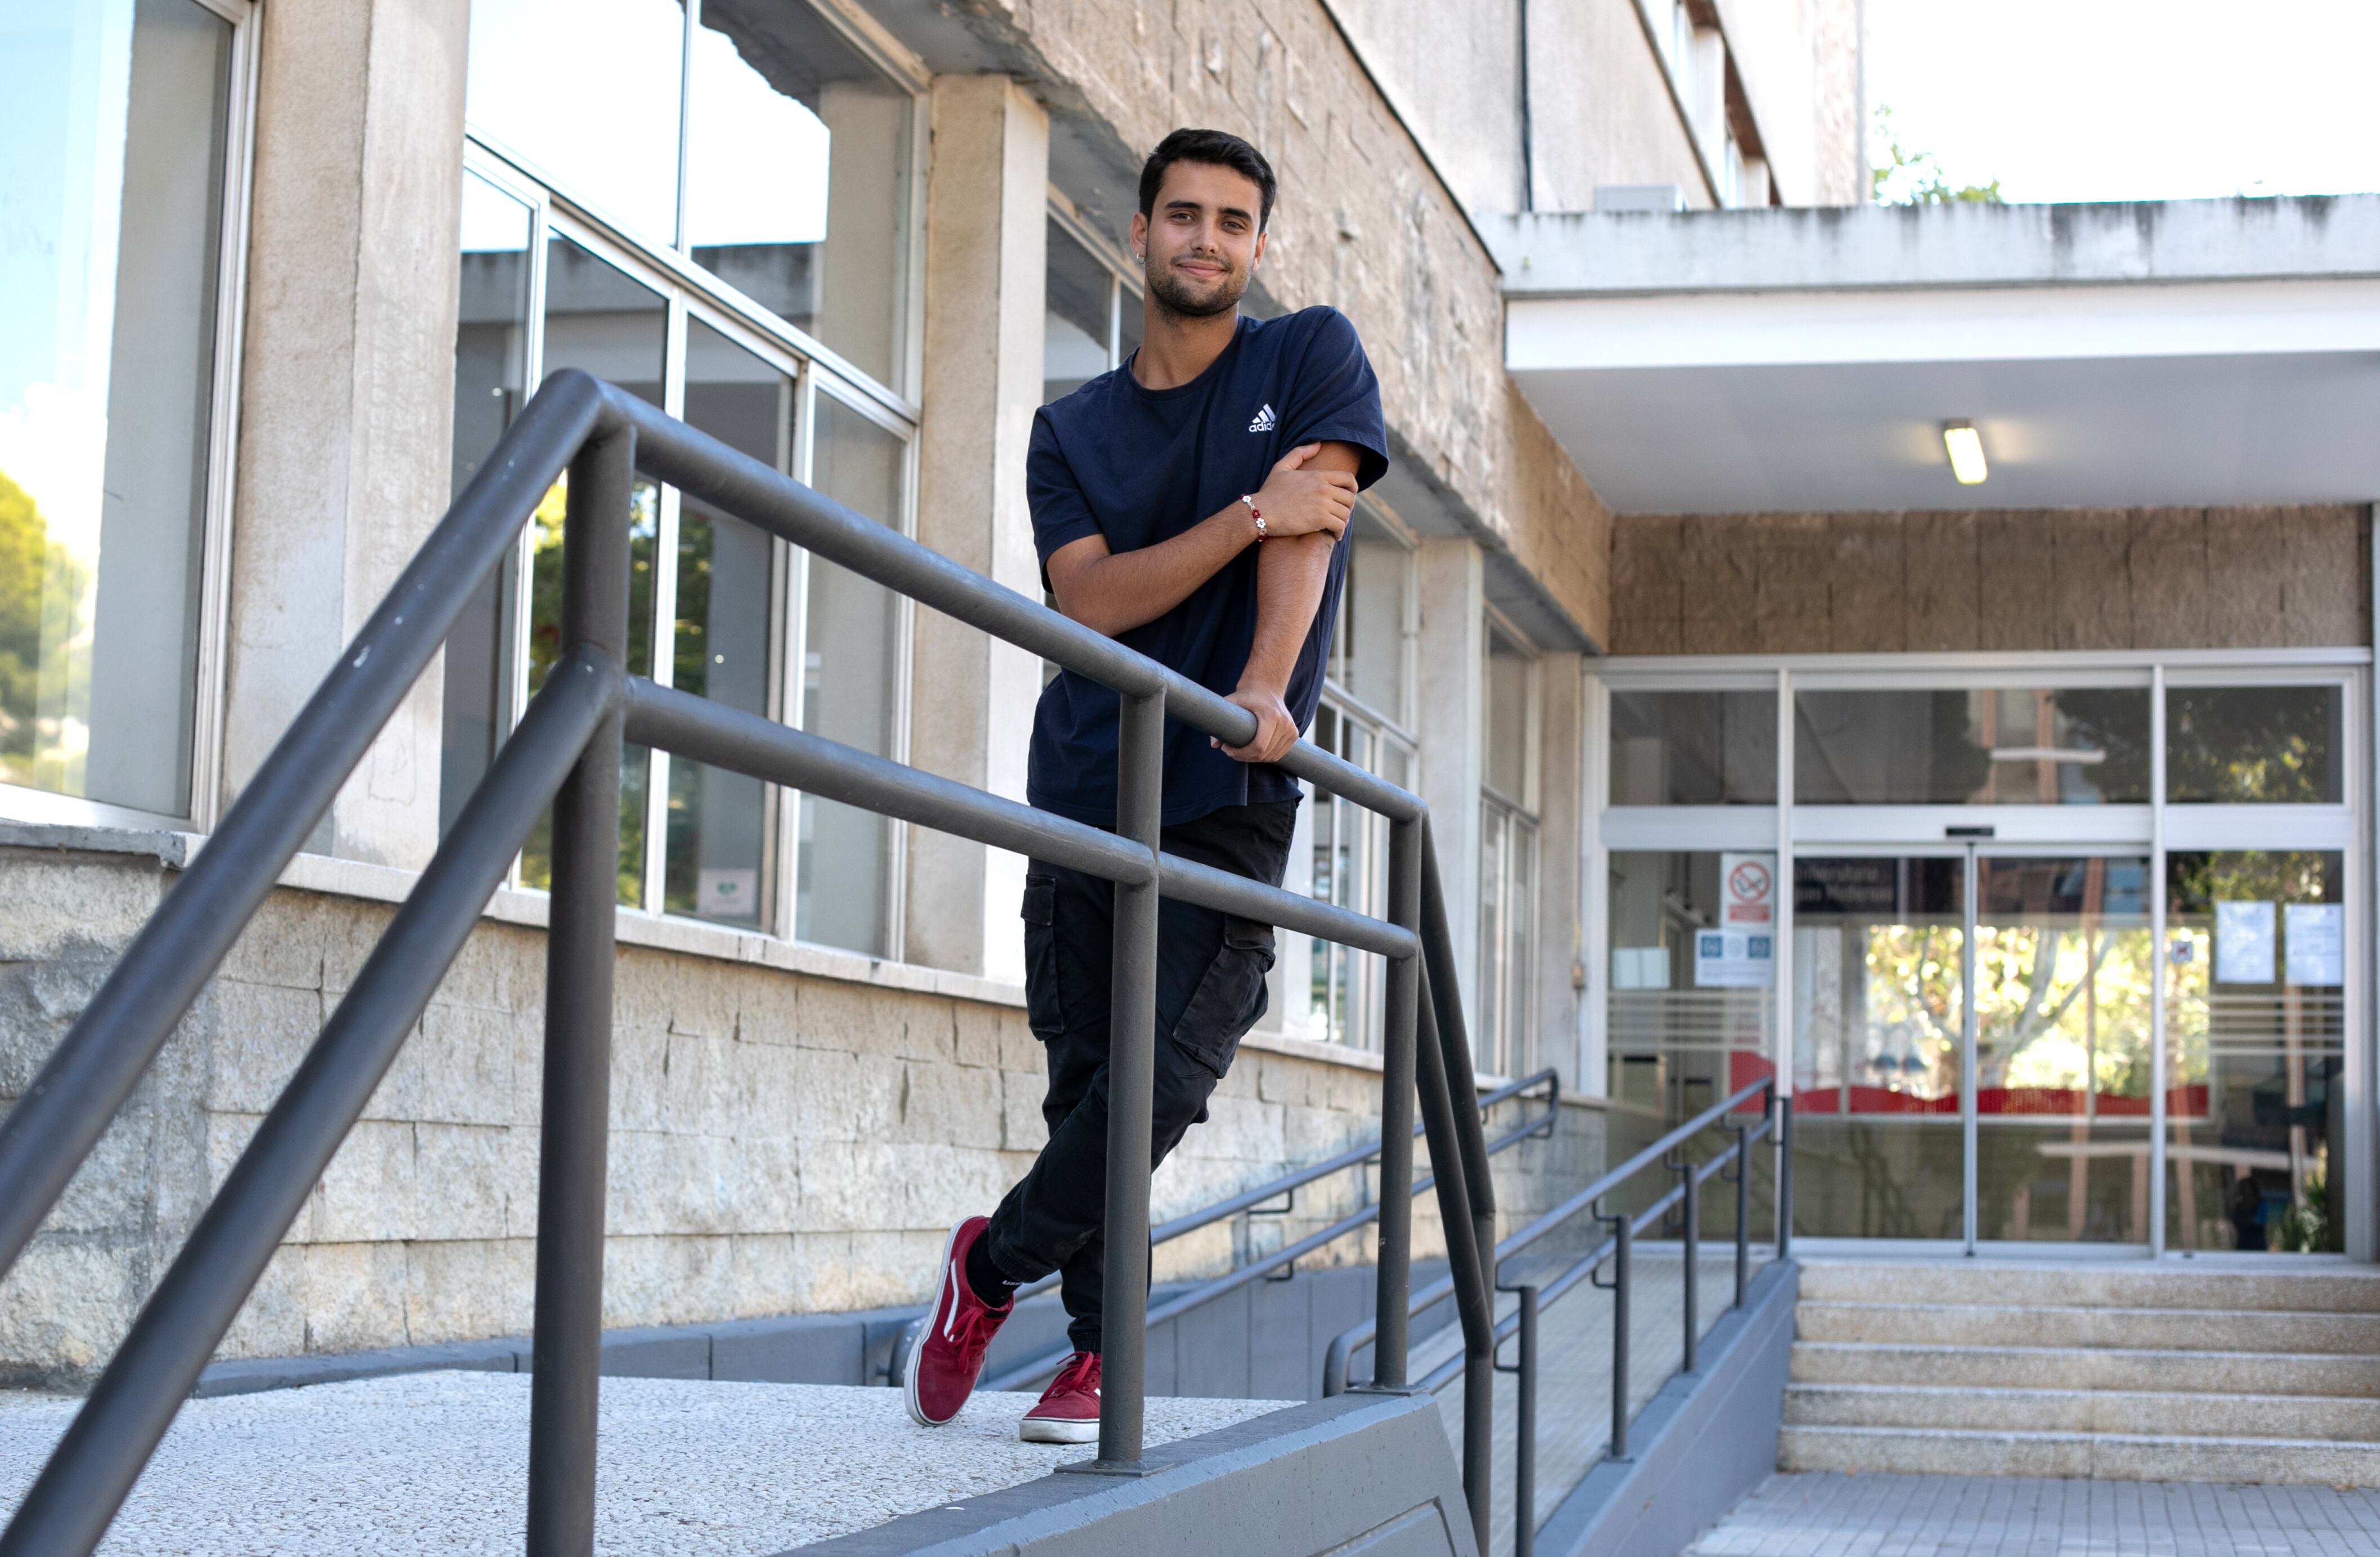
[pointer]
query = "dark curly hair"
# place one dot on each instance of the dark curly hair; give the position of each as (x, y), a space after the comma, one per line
(1218, 147)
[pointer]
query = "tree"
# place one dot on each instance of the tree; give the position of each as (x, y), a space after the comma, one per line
(1916, 177)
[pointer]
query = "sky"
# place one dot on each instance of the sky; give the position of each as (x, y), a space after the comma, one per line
(2107, 100)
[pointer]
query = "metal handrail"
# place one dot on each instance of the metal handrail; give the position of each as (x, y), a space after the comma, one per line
(1539, 1126)
(1535, 1296)
(565, 752)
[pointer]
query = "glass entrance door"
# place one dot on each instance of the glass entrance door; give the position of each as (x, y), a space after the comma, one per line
(2058, 1136)
(1972, 1040)
(1880, 1024)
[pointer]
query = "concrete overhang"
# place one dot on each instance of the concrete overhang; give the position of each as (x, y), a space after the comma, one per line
(2181, 353)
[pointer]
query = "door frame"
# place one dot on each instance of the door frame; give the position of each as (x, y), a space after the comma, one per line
(2350, 828)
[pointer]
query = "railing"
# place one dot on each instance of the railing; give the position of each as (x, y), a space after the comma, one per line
(566, 751)
(1668, 1153)
(1538, 1126)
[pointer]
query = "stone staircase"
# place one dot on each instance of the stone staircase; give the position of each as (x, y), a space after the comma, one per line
(2119, 1371)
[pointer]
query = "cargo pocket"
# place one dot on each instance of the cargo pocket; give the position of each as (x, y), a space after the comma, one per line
(1230, 998)
(1042, 1006)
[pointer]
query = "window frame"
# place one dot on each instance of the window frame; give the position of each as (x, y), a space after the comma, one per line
(211, 661)
(689, 294)
(676, 258)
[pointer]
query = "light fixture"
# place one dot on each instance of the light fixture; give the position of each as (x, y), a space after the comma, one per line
(1965, 446)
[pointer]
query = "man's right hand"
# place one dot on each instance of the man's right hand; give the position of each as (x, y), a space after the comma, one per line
(1296, 501)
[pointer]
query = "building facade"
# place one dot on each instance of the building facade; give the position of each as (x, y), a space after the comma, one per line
(287, 273)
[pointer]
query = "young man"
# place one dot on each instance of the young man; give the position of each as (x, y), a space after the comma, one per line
(1192, 505)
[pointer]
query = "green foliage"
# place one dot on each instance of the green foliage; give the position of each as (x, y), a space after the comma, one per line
(34, 570)
(1908, 177)
(2306, 1227)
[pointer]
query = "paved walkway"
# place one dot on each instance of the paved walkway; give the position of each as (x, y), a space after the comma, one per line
(438, 1463)
(1826, 1514)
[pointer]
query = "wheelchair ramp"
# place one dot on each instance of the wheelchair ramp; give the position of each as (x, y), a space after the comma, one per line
(439, 1462)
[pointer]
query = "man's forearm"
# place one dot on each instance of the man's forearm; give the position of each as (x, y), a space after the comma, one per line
(1291, 573)
(1124, 589)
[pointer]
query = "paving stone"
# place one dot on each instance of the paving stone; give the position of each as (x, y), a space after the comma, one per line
(1826, 1513)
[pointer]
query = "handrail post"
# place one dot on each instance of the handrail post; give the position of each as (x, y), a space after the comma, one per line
(1399, 1025)
(1131, 1075)
(1474, 1278)
(1525, 1434)
(1780, 1108)
(1742, 1211)
(1623, 1232)
(573, 1142)
(1692, 1267)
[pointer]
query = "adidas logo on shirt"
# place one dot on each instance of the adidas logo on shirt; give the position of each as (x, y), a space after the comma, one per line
(1264, 421)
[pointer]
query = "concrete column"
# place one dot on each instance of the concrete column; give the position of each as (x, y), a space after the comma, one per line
(346, 396)
(1560, 839)
(1450, 580)
(987, 203)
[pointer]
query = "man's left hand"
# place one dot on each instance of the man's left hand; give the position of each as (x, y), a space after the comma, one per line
(1276, 731)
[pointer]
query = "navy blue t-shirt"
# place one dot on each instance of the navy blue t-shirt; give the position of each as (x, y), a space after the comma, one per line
(1141, 466)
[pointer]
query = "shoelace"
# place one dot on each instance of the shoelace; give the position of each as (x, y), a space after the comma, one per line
(1081, 1373)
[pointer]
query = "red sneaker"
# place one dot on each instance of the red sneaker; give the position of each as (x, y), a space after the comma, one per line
(948, 1355)
(1069, 1412)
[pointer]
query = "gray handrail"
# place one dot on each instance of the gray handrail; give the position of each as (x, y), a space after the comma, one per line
(1535, 1296)
(1538, 1126)
(565, 752)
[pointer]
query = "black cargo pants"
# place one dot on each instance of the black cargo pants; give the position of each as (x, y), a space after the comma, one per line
(1210, 989)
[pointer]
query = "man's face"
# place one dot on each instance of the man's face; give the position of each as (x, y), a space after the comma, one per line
(1200, 244)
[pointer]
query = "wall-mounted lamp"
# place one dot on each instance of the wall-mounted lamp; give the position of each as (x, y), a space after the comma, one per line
(1965, 448)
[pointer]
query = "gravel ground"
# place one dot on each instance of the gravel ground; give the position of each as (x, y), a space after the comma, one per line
(438, 1463)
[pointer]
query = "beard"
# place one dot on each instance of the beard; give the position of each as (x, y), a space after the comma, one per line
(1176, 296)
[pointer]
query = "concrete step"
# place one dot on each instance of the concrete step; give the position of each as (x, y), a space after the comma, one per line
(2317, 1287)
(1979, 1324)
(2107, 1456)
(2098, 1411)
(2057, 1368)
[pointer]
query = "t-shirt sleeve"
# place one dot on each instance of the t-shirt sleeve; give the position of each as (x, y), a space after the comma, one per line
(1337, 396)
(1061, 513)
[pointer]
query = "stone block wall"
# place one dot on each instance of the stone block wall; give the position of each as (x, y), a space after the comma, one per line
(2039, 579)
(782, 1141)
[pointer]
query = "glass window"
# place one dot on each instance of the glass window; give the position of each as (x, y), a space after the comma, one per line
(1693, 749)
(1972, 747)
(1368, 648)
(798, 176)
(1349, 848)
(1688, 1024)
(2254, 745)
(1509, 726)
(492, 332)
(850, 662)
(1508, 918)
(1076, 328)
(111, 173)
(585, 91)
(719, 843)
(600, 320)
(2256, 1043)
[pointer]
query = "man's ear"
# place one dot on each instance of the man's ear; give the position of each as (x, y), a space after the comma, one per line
(1256, 255)
(1140, 238)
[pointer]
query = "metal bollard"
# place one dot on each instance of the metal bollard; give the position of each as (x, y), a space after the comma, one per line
(1525, 1434)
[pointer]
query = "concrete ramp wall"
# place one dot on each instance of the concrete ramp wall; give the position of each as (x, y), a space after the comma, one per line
(1358, 1474)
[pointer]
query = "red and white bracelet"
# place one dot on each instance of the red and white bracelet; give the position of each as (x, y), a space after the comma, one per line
(1256, 514)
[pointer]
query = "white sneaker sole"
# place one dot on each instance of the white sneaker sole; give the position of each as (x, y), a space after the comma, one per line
(1049, 1429)
(942, 1294)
